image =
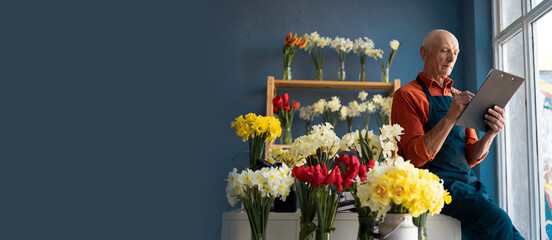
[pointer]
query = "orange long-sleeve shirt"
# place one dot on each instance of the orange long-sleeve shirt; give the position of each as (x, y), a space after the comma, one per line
(411, 110)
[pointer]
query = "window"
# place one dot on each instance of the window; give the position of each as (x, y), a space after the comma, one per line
(522, 46)
(542, 36)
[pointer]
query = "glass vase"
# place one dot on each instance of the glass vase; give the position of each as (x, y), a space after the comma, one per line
(286, 138)
(319, 74)
(322, 235)
(366, 227)
(362, 75)
(257, 208)
(385, 75)
(287, 71)
(341, 72)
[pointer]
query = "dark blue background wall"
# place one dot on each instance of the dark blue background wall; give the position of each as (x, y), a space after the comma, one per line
(116, 114)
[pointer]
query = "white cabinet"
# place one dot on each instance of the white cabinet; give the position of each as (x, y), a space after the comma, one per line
(285, 226)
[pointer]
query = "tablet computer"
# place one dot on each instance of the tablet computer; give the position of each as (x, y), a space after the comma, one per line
(498, 89)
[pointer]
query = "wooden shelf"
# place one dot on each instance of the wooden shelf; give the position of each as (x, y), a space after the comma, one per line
(334, 85)
(274, 84)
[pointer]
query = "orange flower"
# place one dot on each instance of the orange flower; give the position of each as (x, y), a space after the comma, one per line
(288, 38)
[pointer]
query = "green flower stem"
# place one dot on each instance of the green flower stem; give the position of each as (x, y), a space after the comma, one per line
(362, 77)
(256, 148)
(307, 203)
(318, 59)
(258, 210)
(366, 119)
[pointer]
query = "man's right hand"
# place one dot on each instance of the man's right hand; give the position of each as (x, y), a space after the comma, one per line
(459, 104)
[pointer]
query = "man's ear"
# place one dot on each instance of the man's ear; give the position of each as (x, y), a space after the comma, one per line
(423, 53)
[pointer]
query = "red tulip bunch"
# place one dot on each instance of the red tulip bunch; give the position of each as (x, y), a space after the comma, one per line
(354, 168)
(285, 113)
(317, 175)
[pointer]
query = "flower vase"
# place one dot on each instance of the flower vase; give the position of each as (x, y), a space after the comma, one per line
(367, 227)
(319, 74)
(322, 235)
(362, 75)
(286, 138)
(398, 226)
(385, 75)
(420, 222)
(287, 71)
(257, 208)
(287, 205)
(341, 72)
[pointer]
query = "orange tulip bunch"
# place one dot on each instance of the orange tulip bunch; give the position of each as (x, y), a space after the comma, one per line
(290, 43)
(294, 41)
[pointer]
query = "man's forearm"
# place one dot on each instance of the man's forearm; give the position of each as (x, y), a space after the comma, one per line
(434, 139)
(481, 147)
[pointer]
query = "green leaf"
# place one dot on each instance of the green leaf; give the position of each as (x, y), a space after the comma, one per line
(307, 230)
(235, 156)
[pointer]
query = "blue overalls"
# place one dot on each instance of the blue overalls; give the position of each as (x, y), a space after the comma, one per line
(480, 217)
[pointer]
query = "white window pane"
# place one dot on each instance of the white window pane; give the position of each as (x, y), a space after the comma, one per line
(516, 139)
(510, 10)
(543, 62)
(534, 3)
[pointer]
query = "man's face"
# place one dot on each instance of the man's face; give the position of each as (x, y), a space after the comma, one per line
(441, 56)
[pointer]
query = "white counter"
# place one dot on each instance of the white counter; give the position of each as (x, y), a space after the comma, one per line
(285, 226)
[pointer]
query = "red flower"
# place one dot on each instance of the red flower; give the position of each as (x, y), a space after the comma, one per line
(287, 107)
(295, 105)
(371, 164)
(362, 173)
(285, 97)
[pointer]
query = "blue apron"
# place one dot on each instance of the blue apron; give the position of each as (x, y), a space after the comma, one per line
(481, 218)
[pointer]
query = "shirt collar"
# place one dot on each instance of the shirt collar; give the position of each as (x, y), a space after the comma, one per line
(429, 82)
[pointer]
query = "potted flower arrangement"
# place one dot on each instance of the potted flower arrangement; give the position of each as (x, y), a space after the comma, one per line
(364, 47)
(285, 113)
(398, 190)
(367, 148)
(328, 109)
(278, 156)
(317, 197)
(257, 130)
(291, 43)
(315, 47)
(385, 65)
(257, 191)
(342, 46)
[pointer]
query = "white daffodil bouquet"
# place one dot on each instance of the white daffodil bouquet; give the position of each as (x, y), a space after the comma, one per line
(257, 191)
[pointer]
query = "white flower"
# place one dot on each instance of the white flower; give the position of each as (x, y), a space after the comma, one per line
(319, 106)
(307, 113)
(378, 99)
(362, 95)
(334, 104)
(363, 46)
(343, 113)
(342, 45)
(354, 109)
(394, 45)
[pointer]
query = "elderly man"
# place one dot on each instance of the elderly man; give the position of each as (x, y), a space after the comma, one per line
(427, 109)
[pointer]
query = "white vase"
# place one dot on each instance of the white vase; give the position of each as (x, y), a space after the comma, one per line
(397, 226)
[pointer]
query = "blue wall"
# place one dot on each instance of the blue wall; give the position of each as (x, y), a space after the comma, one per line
(118, 113)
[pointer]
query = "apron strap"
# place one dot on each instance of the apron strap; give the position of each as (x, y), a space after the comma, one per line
(422, 84)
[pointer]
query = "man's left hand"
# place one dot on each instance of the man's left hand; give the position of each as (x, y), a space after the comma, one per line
(495, 119)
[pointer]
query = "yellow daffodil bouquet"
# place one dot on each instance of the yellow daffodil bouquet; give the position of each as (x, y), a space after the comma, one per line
(257, 191)
(402, 188)
(257, 130)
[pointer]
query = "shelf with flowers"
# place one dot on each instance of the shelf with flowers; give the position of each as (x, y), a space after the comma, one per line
(274, 84)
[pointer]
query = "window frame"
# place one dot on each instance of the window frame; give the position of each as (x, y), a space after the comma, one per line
(522, 25)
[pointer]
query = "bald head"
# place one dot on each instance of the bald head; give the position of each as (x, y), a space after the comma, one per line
(439, 52)
(436, 36)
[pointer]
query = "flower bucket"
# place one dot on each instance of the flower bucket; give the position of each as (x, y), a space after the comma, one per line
(290, 203)
(398, 226)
